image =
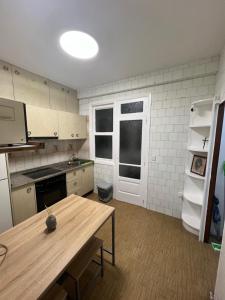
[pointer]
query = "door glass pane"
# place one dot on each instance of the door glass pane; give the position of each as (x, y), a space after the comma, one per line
(104, 120)
(130, 142)
(130, 171)
(133, 107)
(103, 146)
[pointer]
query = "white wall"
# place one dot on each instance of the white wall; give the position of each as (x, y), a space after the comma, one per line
(172, 91)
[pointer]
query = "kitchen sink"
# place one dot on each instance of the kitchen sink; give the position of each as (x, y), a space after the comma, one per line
(77, 162)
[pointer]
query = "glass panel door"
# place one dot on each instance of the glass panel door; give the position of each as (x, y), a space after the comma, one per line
(130, 148)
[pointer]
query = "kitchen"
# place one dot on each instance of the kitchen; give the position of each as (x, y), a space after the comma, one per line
(108, 134)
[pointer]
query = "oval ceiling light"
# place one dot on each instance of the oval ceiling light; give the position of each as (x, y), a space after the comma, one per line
(79, 44)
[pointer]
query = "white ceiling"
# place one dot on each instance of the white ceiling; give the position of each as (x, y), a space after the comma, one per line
(134, 36)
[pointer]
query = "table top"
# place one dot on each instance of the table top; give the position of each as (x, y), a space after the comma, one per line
(35, 259)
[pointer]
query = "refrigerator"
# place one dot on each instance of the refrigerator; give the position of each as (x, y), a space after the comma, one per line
(5, 204)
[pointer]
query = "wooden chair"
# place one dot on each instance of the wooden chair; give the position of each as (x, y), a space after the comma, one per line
(83, 259)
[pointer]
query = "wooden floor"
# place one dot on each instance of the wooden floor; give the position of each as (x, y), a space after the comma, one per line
(155, 259)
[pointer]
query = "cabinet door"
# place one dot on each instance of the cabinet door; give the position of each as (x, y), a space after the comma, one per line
(87, 179)
(38, 91)
(57, 96)
(71, 101)
(66, 125)
(30, 88)
(6, 86)
(41, 122)
(21, 85)
(23, 203)
(81, 127)
(74, 182)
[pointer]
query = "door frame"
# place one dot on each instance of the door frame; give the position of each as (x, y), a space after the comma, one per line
(146, 136)
(212, 185)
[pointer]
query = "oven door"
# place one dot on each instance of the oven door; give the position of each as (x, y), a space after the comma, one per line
(50, 191)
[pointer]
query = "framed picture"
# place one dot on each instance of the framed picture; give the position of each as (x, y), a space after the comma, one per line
(199, 165)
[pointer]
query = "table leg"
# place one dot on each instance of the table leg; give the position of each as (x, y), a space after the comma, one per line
(113, 238)
(112, 252)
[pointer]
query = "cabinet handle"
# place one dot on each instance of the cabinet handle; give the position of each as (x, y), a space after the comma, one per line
(5, 68)
(17, 72)
(28, 190)
(72, 134)
(29, 133)
(77, 135)
(55, 133)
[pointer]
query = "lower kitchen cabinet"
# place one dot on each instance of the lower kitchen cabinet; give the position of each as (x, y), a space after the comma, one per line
(81, 181)
(23, 203)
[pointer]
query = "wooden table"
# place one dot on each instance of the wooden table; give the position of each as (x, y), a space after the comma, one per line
(35, 259)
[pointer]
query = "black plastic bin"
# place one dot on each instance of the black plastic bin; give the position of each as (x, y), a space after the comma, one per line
(105, 191)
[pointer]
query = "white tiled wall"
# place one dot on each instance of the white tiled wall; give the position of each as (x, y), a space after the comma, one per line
(54, 152)
(172, 91)
(220, 82)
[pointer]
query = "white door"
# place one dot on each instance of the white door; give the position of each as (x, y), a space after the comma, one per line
(131, 150)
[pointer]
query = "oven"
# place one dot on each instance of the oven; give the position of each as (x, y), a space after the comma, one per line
(50, 191)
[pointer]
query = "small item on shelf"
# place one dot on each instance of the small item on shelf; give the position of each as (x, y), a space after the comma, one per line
(205, 140)
(199, 165)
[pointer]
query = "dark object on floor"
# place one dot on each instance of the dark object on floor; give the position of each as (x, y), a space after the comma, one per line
(105, 191)
(216, 216)
(51, 223)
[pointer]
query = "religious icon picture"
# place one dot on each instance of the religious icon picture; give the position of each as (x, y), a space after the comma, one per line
(199, 165)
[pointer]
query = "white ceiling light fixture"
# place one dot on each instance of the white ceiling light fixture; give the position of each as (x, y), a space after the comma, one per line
(79, 44)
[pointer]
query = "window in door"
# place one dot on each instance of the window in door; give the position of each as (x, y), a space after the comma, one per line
(103, 133)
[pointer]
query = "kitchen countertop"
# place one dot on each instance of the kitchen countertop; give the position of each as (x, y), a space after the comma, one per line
(19, 180)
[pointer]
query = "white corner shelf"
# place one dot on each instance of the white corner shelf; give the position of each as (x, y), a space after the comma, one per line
(196, 149)
(193, 126)
(193, 175)
(202, 102)
(191, 223)
(196, 199)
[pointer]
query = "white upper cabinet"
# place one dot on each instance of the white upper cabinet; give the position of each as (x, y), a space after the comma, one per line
(6, 87)
(41, 122)
(30, 88)
(57, 96)
(80, 127)
(71, 101)
(66, 125)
